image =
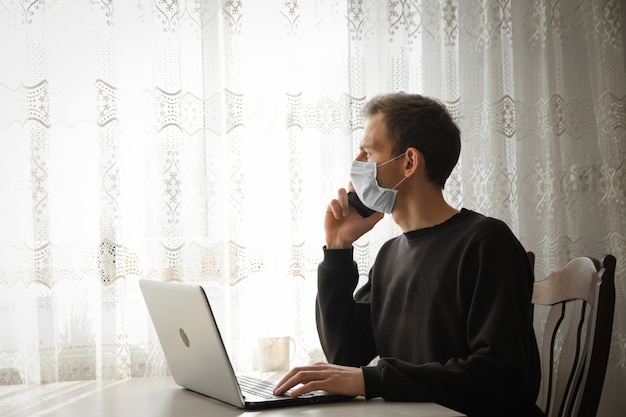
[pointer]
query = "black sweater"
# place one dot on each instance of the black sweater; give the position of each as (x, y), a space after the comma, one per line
(447, 310)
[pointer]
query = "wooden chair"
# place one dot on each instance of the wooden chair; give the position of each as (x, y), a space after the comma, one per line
(581, 296)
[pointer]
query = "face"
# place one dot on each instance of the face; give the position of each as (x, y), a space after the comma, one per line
(376, 147)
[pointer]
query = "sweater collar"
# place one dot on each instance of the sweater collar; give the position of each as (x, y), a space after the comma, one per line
(457, 218)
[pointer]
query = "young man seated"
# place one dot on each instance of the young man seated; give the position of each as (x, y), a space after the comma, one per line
(446, 306)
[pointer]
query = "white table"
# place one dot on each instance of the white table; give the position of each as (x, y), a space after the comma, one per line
(161, 397)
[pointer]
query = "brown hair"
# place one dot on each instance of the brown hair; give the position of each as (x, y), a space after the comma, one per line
(423, 123)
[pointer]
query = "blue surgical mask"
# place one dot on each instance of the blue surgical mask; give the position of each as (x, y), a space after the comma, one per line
(363, 178)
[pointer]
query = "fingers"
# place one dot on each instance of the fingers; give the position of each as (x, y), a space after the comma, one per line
(334, 207)
(310, 386)
(304, 375)
(339, 207)
(292, 378)
(342, 196)
(282, 383)
(322, 376)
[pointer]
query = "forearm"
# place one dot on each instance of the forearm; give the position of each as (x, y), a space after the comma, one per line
(343, 324)
(480, 384)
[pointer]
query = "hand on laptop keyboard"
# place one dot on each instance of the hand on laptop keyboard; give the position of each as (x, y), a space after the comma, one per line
(258, 387)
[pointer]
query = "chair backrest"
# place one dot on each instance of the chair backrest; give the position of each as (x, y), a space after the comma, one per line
(581, 296)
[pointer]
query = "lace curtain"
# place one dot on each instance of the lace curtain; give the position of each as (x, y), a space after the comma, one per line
(200, 141)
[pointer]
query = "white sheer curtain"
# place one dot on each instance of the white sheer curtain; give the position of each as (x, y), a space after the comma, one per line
(201, 140)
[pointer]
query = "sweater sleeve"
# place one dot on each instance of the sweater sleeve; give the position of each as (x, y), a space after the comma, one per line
(499, 371)
(343, 324)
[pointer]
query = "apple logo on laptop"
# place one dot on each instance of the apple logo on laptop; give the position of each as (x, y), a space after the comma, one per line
(183, 336)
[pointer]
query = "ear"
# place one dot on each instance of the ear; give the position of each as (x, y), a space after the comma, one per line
(413, 161)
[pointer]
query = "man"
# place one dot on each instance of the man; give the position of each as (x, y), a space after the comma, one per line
(446, 306)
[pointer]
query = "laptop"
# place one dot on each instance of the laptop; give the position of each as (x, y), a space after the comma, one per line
(196, 355)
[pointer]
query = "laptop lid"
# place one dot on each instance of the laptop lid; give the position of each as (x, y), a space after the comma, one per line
(191, 340)
(194, 349)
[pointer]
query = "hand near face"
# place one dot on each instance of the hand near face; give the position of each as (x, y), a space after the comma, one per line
(343, 225)
(334, 379)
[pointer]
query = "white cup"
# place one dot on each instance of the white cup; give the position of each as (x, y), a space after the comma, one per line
(276, 353)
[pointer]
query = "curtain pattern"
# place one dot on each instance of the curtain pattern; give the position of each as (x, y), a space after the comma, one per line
(200, 141)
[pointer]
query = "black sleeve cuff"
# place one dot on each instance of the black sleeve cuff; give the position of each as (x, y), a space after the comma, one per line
(334, 258)
(373, 382)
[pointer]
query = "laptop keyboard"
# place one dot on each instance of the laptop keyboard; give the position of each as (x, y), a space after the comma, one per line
(258, 387)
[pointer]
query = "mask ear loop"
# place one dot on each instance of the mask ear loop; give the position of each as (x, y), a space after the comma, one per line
(392, 159)
(398, 184)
